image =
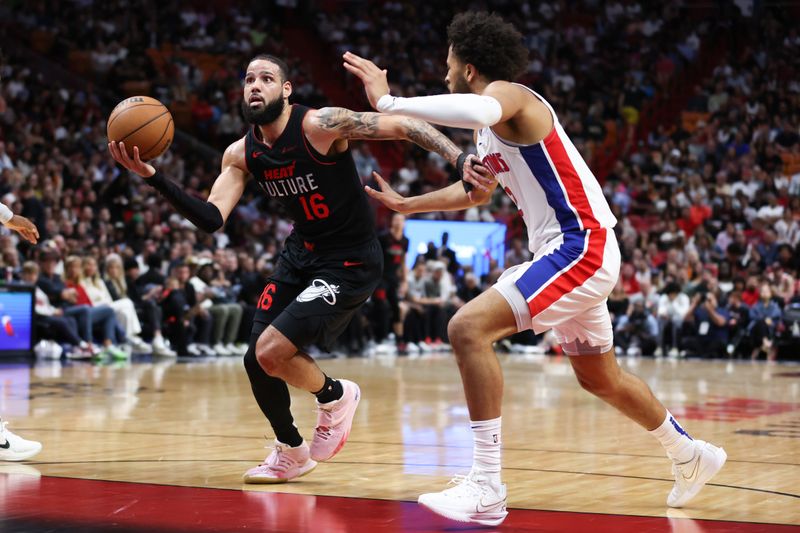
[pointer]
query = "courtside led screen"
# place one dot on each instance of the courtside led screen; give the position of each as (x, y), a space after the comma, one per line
(473, 242)
(16, 319)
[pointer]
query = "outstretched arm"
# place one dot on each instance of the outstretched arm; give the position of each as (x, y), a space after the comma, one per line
(209, 215)
(342, 123)
(499, 101)
(329, 124)
(451, 198)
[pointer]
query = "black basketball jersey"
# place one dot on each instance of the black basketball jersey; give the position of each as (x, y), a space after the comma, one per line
(322, 194)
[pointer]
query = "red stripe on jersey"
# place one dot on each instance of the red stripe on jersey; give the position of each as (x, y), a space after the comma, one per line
(571, 180)
(583, 269)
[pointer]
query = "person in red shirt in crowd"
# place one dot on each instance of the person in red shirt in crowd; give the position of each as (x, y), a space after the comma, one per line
(628, 279)
(750, 294)
(694, 217)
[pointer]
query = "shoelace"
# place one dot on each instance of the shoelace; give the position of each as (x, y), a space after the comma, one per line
(323, 430)
(458, 479)
(3, 435)
(464, 486)
(281, 461)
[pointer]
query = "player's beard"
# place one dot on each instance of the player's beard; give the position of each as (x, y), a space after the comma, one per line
(267, 114)
(460, 85)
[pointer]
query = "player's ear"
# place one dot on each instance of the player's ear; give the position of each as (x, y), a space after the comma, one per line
(287, 89)
(470, 72)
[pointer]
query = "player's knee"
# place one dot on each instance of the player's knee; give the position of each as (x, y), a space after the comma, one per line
(463, 330)
(268, 362)
(267, 357)
(601, 386)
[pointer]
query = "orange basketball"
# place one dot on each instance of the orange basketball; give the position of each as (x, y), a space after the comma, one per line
(144, 122)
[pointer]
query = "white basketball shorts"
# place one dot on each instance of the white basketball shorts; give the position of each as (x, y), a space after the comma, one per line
(565, 288)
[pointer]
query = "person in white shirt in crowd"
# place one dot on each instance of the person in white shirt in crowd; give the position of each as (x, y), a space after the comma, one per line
(58, 326)
(788, 228)
(429, 291)
(5, 160)
(124, 310)
(440, 294)
(226, 315)
(672, 308)
(725, 238)
(120, 288)
(414, 323)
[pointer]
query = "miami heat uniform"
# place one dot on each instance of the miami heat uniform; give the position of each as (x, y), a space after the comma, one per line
(332, 261)
(570, 231)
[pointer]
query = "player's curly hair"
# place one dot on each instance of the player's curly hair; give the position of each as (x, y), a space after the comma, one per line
(493, 45)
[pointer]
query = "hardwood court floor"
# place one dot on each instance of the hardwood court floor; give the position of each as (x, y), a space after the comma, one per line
(195, 424)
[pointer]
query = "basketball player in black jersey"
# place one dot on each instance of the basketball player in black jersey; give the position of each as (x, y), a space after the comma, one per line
(331, 262)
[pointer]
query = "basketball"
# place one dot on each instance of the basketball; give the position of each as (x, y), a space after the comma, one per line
(144, 122)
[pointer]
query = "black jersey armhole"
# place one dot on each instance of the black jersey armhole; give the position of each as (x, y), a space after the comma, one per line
(315, 155)
(248, 147)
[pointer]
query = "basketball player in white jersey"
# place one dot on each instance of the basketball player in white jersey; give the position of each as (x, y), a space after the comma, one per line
(564, 288)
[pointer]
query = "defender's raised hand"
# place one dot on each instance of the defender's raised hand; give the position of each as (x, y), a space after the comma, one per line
(136, 164)
(373, 78)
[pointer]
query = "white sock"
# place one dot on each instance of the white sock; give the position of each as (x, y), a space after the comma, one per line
(486, 454)
(678, 444)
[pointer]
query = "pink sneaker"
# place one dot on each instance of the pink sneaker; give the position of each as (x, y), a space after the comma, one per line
(283, 464)
(334, 421)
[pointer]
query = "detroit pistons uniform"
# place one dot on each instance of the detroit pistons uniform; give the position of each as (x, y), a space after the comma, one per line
(576, 257)
(332, 261)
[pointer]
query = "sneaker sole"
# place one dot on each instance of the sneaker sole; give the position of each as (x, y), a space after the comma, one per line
(257, 480)
(703, 477)
(19, 456)
(341, 444)
(484, 519)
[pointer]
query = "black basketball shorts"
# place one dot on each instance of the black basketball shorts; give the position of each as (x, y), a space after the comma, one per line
(311, 296)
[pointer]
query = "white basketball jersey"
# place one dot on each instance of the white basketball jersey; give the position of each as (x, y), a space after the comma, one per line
(549, 182)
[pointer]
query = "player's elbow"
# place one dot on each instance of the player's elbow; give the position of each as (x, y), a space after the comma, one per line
(210, 227)
(210, 220)
(404, 128)
(478, 198)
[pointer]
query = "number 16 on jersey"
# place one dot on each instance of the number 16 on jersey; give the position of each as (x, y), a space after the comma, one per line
(314, 207)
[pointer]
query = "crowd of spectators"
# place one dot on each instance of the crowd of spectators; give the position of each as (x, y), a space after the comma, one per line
(708, 208)
(709, 211)
(189, 56)
(595, 62)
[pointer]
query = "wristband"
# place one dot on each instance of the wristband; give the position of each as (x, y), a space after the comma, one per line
(462, 158)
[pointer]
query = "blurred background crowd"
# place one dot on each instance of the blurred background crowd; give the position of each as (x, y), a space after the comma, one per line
(690, 120)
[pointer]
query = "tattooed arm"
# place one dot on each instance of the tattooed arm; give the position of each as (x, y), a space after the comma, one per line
(338, 123)
(328, 129)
